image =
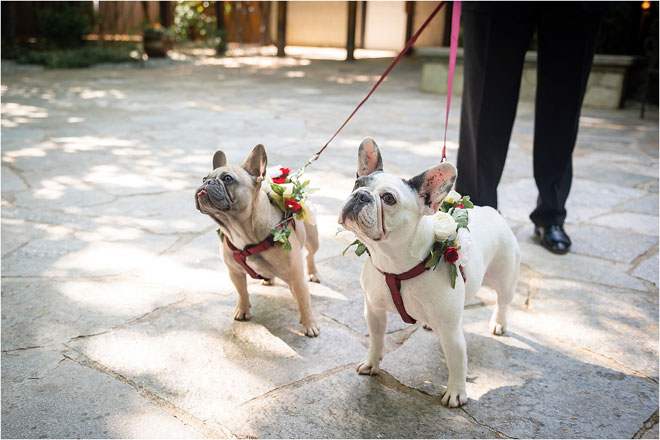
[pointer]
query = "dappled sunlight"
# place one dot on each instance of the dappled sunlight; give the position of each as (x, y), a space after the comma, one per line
(118, 177)
(73, 144)
(252, 61)
(353, 78)
(262, 339)
(119, 297)
(14, 114)
(103, 258)
(89, 93)
(54, 188)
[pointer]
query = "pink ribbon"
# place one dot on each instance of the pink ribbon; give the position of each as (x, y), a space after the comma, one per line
(453, 48)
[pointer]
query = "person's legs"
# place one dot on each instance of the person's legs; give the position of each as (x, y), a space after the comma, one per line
(567, 41)
(494, 44)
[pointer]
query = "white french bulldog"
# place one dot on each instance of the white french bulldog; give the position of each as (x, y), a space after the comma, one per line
(392, 217)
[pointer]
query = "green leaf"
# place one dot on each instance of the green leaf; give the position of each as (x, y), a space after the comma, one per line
(361, 249)
(461, 217)
(277, 189)
(467, 204)
(221, 235)
(445, 207)
(286, 246)
(453, 273)
(356, 241)
(435, 259)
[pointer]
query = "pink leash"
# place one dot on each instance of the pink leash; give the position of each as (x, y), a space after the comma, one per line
(455, 25)
(453, 48)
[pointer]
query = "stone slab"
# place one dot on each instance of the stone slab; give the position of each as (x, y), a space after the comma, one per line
(646, 205)
(593, 270)
(206, 363)
(38, 312)
(640, 223)
(622, 246)
(342, 404)
(45, 395)
(534, 378)
(648, 269)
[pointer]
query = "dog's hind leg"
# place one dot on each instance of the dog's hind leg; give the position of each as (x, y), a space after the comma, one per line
(312, 245)
(503, 276)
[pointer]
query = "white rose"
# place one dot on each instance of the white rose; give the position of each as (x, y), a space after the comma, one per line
(464, 241)
(265, 187)
(444, 225)
(453, 196)
(288, 190)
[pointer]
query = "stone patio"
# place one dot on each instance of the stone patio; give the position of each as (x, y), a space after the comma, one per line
(117, 309)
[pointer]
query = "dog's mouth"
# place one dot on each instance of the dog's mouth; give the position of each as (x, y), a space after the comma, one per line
(364, 219)
(211, 199)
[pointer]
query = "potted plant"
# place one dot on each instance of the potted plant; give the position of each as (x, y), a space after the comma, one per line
(157, 40)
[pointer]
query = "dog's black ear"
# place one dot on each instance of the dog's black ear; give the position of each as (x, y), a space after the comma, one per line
(433, 185)
(369, 158)
(219, 159)
(256, 162)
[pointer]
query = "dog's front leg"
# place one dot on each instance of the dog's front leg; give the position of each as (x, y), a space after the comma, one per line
(242, 312)
(377, 324)
(453, 346)
(300, 291)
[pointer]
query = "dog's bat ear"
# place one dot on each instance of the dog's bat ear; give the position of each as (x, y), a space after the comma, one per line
(433, 185)
(369, 158)
(256, 162)
(219, 159)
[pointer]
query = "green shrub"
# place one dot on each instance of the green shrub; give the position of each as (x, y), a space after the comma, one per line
(85, 56)
(64, 28)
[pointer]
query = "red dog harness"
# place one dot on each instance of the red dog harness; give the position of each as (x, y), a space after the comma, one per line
(241, 255)
(394, 284)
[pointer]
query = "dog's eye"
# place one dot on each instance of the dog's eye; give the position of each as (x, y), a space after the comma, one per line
(204, 179)
(227, 178)
(389, 199)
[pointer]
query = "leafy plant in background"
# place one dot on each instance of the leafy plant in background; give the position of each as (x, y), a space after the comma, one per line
(85, 56)
(193, 22)
(66, 27)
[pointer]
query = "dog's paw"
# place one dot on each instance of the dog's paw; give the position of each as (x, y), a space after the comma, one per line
(311, 329)
(365, 367)
(242, 315)
(268, 282)
(454, 396)
(314, 278)
(497, 328)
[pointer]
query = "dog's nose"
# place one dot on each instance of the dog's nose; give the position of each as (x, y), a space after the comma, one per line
(362, 197)
(210, 182)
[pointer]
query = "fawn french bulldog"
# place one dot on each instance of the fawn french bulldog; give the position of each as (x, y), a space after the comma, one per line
(393, 218)
(232, 197)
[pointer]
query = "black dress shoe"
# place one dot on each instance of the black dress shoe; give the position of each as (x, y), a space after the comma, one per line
(553, 238)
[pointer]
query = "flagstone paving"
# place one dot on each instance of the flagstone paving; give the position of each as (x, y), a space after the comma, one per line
(117, 309)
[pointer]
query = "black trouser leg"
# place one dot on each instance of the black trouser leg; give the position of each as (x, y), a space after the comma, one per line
(567, 41)
(494, 53)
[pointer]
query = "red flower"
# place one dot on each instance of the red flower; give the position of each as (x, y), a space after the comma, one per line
(282, 177)
(460, 206)
(290, 203)
(451, 255)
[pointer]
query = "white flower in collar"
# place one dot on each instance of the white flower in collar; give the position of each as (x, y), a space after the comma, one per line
(444, 225)
(452, 197)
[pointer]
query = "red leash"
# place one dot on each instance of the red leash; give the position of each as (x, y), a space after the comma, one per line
(452, 62)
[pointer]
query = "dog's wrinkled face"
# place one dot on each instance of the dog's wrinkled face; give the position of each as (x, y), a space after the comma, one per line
(383, 207)
(229, 191)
